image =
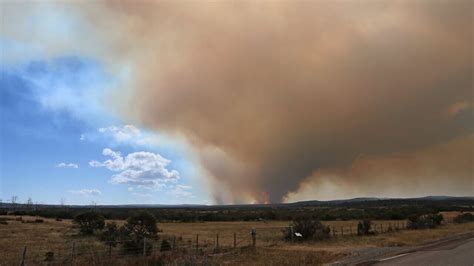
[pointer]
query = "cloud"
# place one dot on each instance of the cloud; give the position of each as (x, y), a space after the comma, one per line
(180, 191)
(142, 168)
(132, 136)
(86, 192)
(122, 134)
(67, 165)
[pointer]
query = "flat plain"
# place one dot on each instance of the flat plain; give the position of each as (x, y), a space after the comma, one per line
(63, 239)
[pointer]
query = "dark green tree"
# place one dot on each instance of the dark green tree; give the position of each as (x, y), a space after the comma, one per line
(89, 222)
(137, 231)
(308, 228)
(364, 227)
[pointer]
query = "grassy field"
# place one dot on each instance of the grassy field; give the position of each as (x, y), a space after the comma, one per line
(59, 236)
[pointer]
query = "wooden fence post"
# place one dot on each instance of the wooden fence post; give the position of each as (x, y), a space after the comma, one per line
(23, 257)
(73, 252)
(333, 232)
(375, 228)
(235, 240)
(254, 237)
(381, 228)
(292, 233)
(197, 243)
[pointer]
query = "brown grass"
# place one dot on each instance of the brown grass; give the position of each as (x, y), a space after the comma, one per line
(58, 236)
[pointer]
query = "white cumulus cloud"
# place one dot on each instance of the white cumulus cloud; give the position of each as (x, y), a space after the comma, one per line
(145, 169)
(86, 192)
(122, 134)
(67, 165)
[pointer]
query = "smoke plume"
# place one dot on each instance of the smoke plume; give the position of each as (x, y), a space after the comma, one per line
(272, 92)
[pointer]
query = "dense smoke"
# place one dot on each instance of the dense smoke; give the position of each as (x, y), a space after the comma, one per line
(272, 92)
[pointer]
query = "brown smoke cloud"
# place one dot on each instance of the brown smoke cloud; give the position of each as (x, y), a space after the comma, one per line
(435, 170)
(271, 92)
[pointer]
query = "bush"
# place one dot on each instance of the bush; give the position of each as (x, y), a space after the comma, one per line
(364, 228)
(138, 229)
(49, 256)
(310, 229)
(89, 222)
(110, 235)
(464, 218)
(424, 221)
(165, 245)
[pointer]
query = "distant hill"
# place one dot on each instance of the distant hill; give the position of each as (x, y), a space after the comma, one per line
(316, 203)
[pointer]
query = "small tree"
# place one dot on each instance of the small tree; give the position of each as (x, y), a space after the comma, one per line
(89, 222)
(110, 235)
(364, 227)
(308, 228)
(138, 228)
(165, 245)
(425, 221)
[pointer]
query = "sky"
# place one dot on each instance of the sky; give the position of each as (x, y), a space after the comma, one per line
(205, 102)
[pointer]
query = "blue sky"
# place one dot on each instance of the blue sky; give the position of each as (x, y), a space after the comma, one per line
(55, 122)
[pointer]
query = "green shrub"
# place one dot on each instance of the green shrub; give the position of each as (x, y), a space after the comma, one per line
(165, 245)
(49, 256)
(364, 227)
(425, 221)
(139, 228)
(110, 235)
(464, 218)
(89, 222)
(309, 228)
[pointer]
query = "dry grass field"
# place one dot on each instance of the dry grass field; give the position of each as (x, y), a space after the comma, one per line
(59, 236)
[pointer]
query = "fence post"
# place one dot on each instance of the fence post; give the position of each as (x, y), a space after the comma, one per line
(197, 243)
(73, 252)
(342, 230)
(23, 257)
(144, 246)
(292, 232)
(333, 232)
(235, 240)
(254, 236)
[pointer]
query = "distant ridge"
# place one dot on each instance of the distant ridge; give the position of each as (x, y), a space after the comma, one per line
(309, 203)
